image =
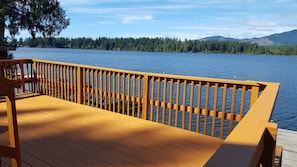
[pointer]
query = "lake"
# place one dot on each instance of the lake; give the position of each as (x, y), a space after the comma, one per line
(282, 69)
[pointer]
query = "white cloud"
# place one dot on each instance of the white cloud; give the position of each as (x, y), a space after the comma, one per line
(185, 19)
(131, 19)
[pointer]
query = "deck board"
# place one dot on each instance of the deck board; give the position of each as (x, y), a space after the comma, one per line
(57, 133)
(288, 139)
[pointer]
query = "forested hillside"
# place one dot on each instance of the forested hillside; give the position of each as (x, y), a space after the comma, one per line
(156, 45)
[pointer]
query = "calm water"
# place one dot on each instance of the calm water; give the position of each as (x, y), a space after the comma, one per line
(281, 69)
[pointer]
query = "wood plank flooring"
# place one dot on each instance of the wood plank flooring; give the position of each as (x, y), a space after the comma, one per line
(288, 139)
(56, 133)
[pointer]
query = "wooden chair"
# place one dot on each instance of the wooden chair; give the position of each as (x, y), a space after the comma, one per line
(13, 150)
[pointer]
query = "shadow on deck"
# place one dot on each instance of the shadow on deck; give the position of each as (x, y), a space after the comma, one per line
(54, 132)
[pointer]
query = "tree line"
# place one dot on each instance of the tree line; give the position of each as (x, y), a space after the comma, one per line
(155, 45)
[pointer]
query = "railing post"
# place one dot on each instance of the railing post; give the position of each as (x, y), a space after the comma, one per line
(146, 86)
(79, 85)
(254, 95)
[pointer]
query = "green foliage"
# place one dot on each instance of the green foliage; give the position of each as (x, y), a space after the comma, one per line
(157, 45)
(42, 16)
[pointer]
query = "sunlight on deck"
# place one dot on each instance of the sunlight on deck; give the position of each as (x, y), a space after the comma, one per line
(55, 132)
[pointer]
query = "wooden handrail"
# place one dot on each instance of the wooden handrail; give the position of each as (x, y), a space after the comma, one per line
(245, 145)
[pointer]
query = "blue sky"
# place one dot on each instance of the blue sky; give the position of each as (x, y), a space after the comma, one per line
(184, 19)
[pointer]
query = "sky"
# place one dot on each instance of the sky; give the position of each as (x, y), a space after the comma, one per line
(183, 19)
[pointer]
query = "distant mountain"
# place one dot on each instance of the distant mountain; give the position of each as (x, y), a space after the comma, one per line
(283, 39)
(219, 38)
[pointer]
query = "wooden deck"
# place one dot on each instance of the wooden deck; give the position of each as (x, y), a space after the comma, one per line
(288, 139)
(58, 133)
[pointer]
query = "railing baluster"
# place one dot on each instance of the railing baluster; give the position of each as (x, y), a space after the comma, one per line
(158, 100)
(145, 97)
(79, 84)
(242, 102)
(206, 108)
(170, 102)
(199, 107)
(128, 95)
(97, 86)
(184, 105)
(123, 93)
(215, 104)
(119, 93)
(105, 84)
(191, 106)
(100, 90)
(232, 108)
(114, 92)
(176, 107)
(139, 96)
(164, 101)
(152, 101)
(109, 90)
(223, 111)
(134, 95)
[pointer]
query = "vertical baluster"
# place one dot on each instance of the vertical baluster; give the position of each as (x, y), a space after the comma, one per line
(184, 105)
(145, 97)
(89, 86)
(100, 90)
(46, 79)
(97, 86)
(164, 101)
(198, 107)
(223, 111)
(64, 84)
(128, 94)
(84, 86)
(114, 92)
(26, 83)
(242, 102)
(191, 106)
(158, 100)
(152, 102)
(119, 93)
(139, 96)
(134, 95)
(93, 87)
(206, 108)
(170, 103)
(75, 71)
(177, 103)
(232, 108)
(109, 90)
(59, 81)
(67, 82)
(72, 83)
(105, 84)
(32, 80)
(52, 80)
(55, 81)
(123, 93)
(215, 104)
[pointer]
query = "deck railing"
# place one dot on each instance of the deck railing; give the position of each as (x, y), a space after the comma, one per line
(205, 105)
